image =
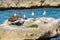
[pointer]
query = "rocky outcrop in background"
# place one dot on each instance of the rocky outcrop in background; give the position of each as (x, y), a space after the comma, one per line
(28, 3)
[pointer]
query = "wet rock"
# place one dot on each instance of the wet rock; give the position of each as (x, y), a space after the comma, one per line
(13, 18)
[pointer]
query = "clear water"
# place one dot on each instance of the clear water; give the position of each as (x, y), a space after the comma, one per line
(55, 13)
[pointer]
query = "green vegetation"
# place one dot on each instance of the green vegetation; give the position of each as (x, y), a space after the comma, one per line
(33, 26)
(42, 1)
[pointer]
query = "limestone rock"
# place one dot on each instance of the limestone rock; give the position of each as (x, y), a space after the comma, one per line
(49, 29)
(28, 3)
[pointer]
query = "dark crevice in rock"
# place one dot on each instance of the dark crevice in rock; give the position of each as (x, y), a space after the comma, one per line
(43, 39)
(47, 38)
(32, 7)
(0, 37)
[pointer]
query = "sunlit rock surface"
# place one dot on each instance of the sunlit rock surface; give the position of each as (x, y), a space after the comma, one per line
(28, 3)
(47, 27)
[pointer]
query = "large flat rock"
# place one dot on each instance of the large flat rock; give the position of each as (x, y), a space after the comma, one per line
(44, 30)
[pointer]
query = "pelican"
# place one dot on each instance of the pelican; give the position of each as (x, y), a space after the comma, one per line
(24, 16)
(44, 13)
(32, 13)
(14, 14)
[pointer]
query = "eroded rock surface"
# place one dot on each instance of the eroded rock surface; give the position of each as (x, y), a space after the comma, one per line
(47, 27)
(28, 3)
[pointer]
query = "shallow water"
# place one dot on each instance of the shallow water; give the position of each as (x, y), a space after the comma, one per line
(55, 13)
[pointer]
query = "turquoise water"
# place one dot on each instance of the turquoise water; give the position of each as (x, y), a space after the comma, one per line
(55, 13)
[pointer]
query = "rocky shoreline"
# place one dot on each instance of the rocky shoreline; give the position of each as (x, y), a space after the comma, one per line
(28, 4)
(47, 28)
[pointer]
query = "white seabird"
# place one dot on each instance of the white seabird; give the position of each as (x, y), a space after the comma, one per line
(14, 14)
(24, 16)
(44, 13)
(32, 13)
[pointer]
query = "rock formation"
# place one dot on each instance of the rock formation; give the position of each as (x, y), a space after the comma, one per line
(28, 3)
(47, 27)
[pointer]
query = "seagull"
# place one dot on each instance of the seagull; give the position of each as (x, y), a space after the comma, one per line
(32, 13)
(24, 16)
(44, 13)
(14, 14)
